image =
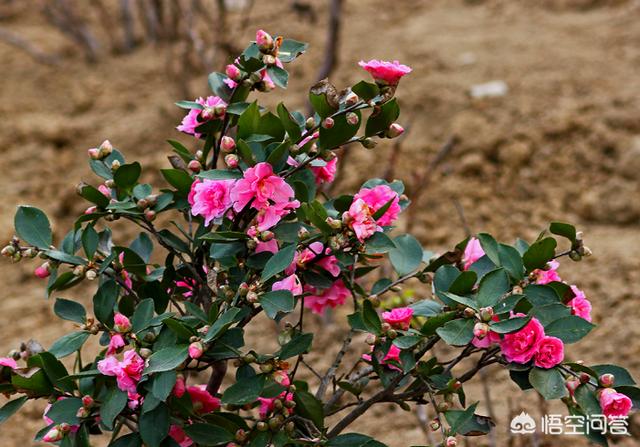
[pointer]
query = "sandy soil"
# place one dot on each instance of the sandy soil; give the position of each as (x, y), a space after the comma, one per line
(562, 144)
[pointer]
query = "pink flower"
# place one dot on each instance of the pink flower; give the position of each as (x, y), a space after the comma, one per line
(8, 362)
(211, 199)
(326, 173)
(104, 189)
(580, 305)
(320, 299)
(196, 350)
(290, 283)
(521, 346)
(203, 401)
(115, 343)
(127, 372)
(399, 318)
(124, 274)
(267, 404)
(270, 246)
(121, 323)
(393, 354)
(262, 186)
(192, 191)
(177, 434)
(550, 353)
(360, 218)
(614, 404)
(263, 39)
(472, 252)
(330, 264)
(271, 214)
(179, 388)
(376, 198)
(135, 400)
(190, 121)
(385, 72)
(232, 71)
(549, 275)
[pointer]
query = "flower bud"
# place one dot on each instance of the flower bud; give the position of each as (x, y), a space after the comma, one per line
(335, 224)
(232, 72)
(105, 149)
(572, 384)
(328, 123)
(371, 339)
(194, 166)
(369, 143)
(443, 407)
(303, 233)
(249, 358)
(351, 99)
(244, 289)
(352, 118)
(310, 123)
(91, 275)
(269, 59)
(142, 204)
(486, 314)
(227, 144)
(584, 377)
(266, 368)
(607, 380)
(150, 215)
(87, 401)
(94, 153)
(121, 323)
(392, 334)
(30, 253)
(219, 110)
(54, 435)
(386, 327)
(290, 427)
(43, 271)
(231, 160)
(266, 236)
(469, 312)
(451, 442)
(82, 412)
(207, 113)
(434, 424)
(110, 183)
(252, 244)
(196, 350)
(241, 435)
(395, 130)
(375, 302)
(252, 297)
(481, 330)
(254, 77)
(264, 40)
(8, 251)
(145, 353)
(115, 165)
(262, 426)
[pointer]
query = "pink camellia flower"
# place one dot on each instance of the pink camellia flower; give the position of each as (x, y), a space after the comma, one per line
(330, 264)
(125, 275)
(134, 400)
(8, 362)
(192, 192)
(121, 323)
(290, 283)
(177, 434)
(489, 339)
(521, 346)
(385, 72)
(376, 198)
(543, 276)
(320, 299)
(550, 353)
(211, 199)
(196, 350)
(115, 343)
(326, 173)
(203, 401)
(399, 318)
(472, 252)
(267, 404)
(614, 404)
(104, 189)
(179, 388)
(580, 305)
(360, 218)
(190, 121)
(42, 271)
(393, 354)
(270, 246)
(271, 214)
(127, 372)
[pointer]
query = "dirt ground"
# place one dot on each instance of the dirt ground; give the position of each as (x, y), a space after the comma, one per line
(562, 144)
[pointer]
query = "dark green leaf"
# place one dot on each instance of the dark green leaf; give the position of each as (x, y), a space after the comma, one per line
(278, 75)
(11, 407)
(407, 342)
(548, 382)
(291, 49)
(142, 315)
(208, 434)
(539, 253)
(510, 325)
(490, 247)
(112, 406)
(457, 332)
(407, 255)
(278, 301)
(178, 179)
(278, 262)
(492, 288)
(244, 391)
(426, 308)
(154, 425)
(127, 175)
(298, 345)
(341, 132)
(569, 329)
(458, 418)
(70, 310)
(511, 260)
(564, 229)
(623, 378)
(167, 359)
(90, 240)
(220, 174)
(65, 410)
(33, 226)
(68, 344)
(366, 90)
(381, 119)
(290, 125)
(309, 407)
(370, 318)
(354, 440)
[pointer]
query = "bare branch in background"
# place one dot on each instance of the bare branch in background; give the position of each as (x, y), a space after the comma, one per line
(126, 16)
(37, 54)
(61, 14)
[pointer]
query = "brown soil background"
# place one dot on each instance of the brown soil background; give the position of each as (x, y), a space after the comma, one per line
(563, 144)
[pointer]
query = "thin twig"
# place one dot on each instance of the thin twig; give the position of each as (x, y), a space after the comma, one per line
(34, 52)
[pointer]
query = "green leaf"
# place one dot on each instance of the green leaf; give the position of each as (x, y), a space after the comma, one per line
(104, 301)
(32, 225)
(366, 90)
(379, 243)
(112, 406)
(34, 380)
(64, 257)
(623, 378)
(464, 283)
(564, 229)
(249, 121)
(309, 407)
(407, 342)
(55, 371)
(244, 391)
(94, 195)
(457, 332)
(222, 323)
(208, 434)
(181, 150)
(300, 344)
(69, 343)
(539, 295)
(539, 253)
(490, 247)
(278, 262)
(511, 260)
(11, 407)
(550, 312)
(220, 174)
(381, 119)
(492, 288)
(127, 175)
(469, 302)
(65, 410)
(278, 75)
(154, 425)
(90, 240)
(548, 382)
(341, 132)
(426, 308)
(130, 440)
(162, 384)
(278, 301)
(290, 125)
(458, 418)
(290, 49)
(508, 304)
(511, 325)
(354, 440)
(179, 179)
(370, 318)
(189, 105)
(142, 315)
(407, 256)
(167, 358)
(70, 310)
(569, 329)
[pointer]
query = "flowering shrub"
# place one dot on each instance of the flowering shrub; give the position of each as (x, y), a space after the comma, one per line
(244, 228)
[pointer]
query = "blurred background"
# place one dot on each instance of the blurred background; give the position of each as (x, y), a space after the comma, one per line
(517, 113)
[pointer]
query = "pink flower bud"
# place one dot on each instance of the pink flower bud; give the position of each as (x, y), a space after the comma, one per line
(196, 350)
(328, 123)
(227, 144)
(572, 385)
(194, 166)
(91, 210)
(231, 160)
(486, 314)
(584, 377)
(451, 442)
(87, 401)
(150, 215)
(351, 99)
(352, 118)
(607, 380)
(207, 113)
(219, 110)
(43, 271)
(395, 130)
(480, 330)
(232, 71)
(105, 149)
(94, 153)
(82, 412)
(264, 40)
(121, 323)
(53, 435)
(435, 424)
